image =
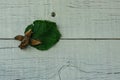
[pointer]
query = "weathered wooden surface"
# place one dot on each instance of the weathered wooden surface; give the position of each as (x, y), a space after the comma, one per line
(69, 59)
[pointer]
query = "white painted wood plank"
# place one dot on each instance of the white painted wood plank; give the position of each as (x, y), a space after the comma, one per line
(87, 18)
(16, 15)
(75, 18)
(68, 60)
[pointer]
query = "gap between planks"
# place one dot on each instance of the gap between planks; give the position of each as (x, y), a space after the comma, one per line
(63, 39)
(73, 39)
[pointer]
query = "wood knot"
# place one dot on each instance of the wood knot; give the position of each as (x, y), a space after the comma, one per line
(53, 14)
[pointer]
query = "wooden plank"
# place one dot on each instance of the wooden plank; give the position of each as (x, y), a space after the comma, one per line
(16, 15)
(87, 18)
(75, 18)
(68, 60)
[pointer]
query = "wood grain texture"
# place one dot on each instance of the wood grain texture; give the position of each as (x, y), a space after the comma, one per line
(82, 60)
(75, 18)
(87, 18)
(69, 59)
(16, 15)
